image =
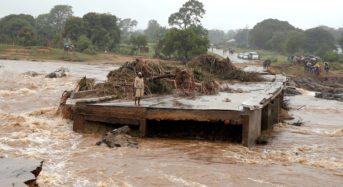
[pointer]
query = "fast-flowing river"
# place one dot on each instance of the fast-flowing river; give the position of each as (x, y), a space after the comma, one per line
(308, 155)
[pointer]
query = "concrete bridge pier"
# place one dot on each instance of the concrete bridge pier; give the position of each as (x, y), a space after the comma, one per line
(267, 117)
(271, 113)
(251, 127)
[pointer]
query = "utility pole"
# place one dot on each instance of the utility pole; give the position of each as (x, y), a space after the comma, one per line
(247, 29)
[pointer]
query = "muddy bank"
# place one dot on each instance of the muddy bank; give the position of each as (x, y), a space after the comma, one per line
(327, 87)
(291, 91)
(329, 96)
(19, 172)
(332, 85)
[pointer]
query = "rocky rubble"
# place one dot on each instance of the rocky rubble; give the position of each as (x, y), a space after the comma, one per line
(291, 91)
(329, 96)
(118, 138)
(330, 88)
(320, 84)
(60, 72)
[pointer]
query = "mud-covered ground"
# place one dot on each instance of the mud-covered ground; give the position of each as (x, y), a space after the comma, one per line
(329, 86)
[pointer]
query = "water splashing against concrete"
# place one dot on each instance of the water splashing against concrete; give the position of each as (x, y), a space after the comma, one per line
(295, 156)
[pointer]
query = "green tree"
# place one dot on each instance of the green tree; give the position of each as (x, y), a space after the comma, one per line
(184, 44)
(189, 14)
(45, 32)
(155, 31)
(11, 25)
(58, 40)
(83, 43)
(336, 33)
(138, 41)
(127, 25)
(276, 41)
(58, 16)
(331, 56)
(341, 41)
(103, 30)
(26, 37)
(216, 36)
(317, 37)
(242, 36)
(295, 42)
(264, 31)
(74, 28)
(48, 25)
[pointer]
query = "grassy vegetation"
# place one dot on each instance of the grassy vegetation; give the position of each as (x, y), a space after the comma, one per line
(281, 65)
(279, 61)
(337, 66)
(45, 53)
(126, 49)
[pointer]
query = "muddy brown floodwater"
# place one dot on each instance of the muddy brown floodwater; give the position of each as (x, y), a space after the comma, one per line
(309, 155)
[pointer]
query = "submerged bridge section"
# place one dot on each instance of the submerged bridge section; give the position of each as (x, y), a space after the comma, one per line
(254, 108)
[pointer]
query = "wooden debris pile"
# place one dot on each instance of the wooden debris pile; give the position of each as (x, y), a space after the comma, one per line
(160, 81)
(184, 80)
(213, 67)
(85, 84)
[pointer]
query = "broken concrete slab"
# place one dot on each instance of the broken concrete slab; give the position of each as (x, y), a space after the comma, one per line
(257, 69)
(19, 172)
(260, 99)
(246, 108)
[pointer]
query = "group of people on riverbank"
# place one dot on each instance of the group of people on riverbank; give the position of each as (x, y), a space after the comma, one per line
(310, 63)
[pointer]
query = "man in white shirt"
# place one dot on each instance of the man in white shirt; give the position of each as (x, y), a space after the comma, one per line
(139, 88)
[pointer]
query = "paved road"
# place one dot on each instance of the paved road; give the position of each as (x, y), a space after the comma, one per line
(251, 65)
(233, 57)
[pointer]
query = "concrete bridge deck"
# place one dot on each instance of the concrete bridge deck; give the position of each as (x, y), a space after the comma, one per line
(256, 107)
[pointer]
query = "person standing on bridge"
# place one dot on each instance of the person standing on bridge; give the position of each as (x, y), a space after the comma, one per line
(139, 88)
(266, 64)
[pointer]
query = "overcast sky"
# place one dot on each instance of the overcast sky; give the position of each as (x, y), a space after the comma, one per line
(220, 14)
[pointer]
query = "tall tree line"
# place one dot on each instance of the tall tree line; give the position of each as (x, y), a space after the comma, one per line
(280, 36)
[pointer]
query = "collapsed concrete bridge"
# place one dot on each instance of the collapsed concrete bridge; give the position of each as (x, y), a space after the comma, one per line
(255, 108)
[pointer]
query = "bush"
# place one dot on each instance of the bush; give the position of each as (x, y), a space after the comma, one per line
(336, 66)
(26, 37)
(58, 40)
(123, 49)
(331, 56)
(91, 50)
(340, 59)
(83, 43)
